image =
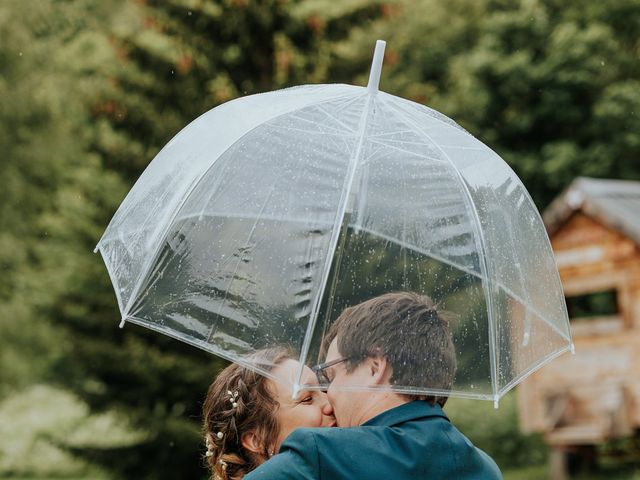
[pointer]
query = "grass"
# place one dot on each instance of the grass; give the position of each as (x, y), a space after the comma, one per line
(535, 472)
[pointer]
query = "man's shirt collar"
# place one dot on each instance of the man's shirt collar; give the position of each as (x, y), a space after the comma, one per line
(406, 412)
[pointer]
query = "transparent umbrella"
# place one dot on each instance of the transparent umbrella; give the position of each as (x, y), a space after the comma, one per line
(266, 216)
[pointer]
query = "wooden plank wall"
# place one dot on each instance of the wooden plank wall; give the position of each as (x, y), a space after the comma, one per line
(596, 393)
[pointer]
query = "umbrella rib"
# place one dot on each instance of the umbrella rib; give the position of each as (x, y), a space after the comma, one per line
(423, 109)
(460, 147)
(308, 132)
(335, 234)
(347, 104)
(404, 231)
(306, 120)
(339, 122)
(422, 251)
(370, 157)
(409, 152)
(388, 134)
(404, 142)
(480, 243)
(334, 140)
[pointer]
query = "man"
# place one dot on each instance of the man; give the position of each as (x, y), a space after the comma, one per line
(382, 342)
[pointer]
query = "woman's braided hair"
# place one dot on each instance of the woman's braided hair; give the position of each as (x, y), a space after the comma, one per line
(239, 402)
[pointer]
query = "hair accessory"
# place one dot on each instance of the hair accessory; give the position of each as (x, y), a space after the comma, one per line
(209, 447)
(224, 464)
(219, 435)
(233, 398)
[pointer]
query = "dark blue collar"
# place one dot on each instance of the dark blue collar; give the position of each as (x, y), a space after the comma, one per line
(408, 411)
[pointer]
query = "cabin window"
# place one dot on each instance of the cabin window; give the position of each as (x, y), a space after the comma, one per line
(599, 304)
(594, 313)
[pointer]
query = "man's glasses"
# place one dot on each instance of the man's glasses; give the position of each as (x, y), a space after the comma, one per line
(319, 370)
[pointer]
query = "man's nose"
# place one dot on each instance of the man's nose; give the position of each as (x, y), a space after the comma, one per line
(327, 408)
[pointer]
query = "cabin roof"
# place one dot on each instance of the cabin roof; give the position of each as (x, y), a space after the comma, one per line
(614, 203)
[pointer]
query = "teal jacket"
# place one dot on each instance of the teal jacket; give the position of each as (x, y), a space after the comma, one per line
(412, 441)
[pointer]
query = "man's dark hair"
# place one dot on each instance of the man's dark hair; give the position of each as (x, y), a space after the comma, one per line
(407, 330)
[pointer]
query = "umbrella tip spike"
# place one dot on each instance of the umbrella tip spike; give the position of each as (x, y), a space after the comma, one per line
(122, 322)
(573, 349)
(376, 67)
(496, 401)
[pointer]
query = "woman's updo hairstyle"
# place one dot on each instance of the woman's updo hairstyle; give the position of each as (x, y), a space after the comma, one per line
(239, 402)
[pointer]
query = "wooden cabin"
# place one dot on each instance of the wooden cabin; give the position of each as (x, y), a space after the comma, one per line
(578, 401)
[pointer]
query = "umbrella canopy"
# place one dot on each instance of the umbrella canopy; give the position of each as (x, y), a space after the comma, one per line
(266, 216)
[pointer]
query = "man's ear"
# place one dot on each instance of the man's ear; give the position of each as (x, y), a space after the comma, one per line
(251, 442)
(379, 369)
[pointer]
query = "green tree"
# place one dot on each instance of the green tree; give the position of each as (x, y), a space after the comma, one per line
(42, 123)
(57, 315)
(553, 87)
(91, 90)
(102, 87)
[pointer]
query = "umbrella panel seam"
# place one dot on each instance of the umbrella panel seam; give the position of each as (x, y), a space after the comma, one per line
(337, 225)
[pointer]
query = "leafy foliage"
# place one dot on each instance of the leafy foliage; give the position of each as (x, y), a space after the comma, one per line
(45, 423)
(101, 88)
(90, 91)
(496, 431)
(551, 86)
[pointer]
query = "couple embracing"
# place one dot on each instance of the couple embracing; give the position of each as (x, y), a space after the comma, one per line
(254, 428)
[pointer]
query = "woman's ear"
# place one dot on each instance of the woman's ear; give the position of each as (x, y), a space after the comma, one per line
(251, 442)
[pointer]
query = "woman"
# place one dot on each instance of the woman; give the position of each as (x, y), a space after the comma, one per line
(247, 416)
